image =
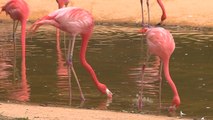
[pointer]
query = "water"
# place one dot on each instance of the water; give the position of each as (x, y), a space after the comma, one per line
(116, 53)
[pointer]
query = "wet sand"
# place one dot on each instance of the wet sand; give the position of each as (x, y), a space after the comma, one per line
(179, 12)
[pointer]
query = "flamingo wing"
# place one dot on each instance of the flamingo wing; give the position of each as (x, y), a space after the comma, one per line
(71, 19)
(160, 42)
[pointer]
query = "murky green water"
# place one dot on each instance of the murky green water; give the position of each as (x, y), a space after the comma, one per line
(117, 54)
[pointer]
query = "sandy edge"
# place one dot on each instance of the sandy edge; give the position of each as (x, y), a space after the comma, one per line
(179, 12)
(34, 112)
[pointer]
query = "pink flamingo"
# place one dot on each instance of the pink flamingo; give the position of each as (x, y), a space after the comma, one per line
(163, 16)
(161, 43)
(18, 11)
(74, 21)
(62, 3)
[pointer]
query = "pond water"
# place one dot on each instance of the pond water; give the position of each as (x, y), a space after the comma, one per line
(117, 54)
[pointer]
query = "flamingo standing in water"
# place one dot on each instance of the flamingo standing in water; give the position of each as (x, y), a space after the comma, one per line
(74, 21)
(18, 11)
(161, 43)
(163, 16)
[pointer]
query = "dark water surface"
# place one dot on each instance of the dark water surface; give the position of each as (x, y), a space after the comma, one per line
(116, 53)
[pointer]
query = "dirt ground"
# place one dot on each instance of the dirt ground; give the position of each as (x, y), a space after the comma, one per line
(179, 12)
(34, 112)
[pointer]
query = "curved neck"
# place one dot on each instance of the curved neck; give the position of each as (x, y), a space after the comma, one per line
(85, 39)
(163, 10)
(168, 77)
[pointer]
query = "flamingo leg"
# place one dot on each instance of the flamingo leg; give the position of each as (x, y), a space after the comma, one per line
(15, 25)
(14, 62)
(144, 66)
(79, 86)
(64, 38)
(160, 79)
(147, 3)
(69, 74)
(65, 47)
(142, 12)
(140, 104)
(70, 64)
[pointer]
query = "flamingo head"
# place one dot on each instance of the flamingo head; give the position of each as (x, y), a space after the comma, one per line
(143, 30)
(103, 89)
(163, 17)
(176, 101)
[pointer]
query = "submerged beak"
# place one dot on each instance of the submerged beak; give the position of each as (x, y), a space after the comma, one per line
(109, 93)
(143, 30)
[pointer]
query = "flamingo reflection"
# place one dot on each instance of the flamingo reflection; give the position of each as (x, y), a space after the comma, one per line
(150, 88)
(103, 105)
(22, 91)
(5, 66)
(62, 73)
(63, 84)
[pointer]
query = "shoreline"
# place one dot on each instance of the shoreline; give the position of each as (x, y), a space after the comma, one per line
(190, 14)
(180, 13)
(36, 112)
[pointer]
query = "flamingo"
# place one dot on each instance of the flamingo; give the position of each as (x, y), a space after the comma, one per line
(74, 21)
(18, 11)
(62, 3)
(161, 43)
(163, 16)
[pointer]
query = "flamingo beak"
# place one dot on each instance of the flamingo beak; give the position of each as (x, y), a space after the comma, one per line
(109, 93)
(143, 30)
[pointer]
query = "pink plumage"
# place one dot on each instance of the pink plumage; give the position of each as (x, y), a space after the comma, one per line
(74, 21)
(161, 43)
(17, 9)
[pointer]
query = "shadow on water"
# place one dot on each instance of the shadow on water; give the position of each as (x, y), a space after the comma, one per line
(117, 54)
